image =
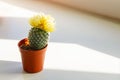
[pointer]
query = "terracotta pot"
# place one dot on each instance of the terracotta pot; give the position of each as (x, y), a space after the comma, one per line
(32, 60)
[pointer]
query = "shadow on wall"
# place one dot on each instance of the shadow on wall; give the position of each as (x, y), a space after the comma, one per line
(13, 70)
(13, 28)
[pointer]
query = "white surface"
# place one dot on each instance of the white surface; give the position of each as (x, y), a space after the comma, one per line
(83, 47)
(62, 62)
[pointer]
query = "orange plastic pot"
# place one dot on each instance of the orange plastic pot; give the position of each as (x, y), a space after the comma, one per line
(32, 60)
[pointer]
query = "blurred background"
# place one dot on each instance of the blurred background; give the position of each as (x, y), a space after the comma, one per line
(109, 8)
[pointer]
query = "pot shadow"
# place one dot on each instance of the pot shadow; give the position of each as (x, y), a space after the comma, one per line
(10, 70)
(7, 67)
(52, 74)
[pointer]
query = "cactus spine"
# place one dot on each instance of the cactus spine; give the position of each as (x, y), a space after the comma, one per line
(38, 38)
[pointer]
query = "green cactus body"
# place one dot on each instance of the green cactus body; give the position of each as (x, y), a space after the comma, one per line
(38, 38)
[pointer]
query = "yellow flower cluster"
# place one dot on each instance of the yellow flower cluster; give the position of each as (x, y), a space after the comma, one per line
(44, 22)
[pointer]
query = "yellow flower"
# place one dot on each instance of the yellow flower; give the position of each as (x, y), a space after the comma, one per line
(44, 22)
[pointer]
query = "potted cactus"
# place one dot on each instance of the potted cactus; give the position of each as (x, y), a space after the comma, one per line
(33, 48)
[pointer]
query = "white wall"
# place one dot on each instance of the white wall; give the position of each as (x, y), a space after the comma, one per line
(109, 8)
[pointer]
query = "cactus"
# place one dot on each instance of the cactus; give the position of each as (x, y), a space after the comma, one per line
(38, 38)
(39, 33)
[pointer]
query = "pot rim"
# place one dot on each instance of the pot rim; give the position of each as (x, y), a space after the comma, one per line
(23, 41)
